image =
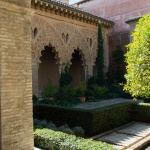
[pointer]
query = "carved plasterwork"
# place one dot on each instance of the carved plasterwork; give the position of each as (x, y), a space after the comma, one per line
(64, 38)
(47, 35)
(92, 49)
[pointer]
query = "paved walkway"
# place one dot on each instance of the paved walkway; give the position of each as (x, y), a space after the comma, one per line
(93, 105)
(132, 136)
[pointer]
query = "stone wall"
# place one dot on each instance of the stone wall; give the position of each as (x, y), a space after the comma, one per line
(16, 122)
(117, 10)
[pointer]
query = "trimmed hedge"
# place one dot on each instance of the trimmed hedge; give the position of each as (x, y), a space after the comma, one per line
(110, 117)
(141, 112)
(92, 121)
(52, 140)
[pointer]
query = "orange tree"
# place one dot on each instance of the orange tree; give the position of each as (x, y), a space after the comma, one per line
(138, 60)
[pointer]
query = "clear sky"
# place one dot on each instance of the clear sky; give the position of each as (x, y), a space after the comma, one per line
(73, 1)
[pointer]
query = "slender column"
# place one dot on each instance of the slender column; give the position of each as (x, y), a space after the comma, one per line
(90, 70)
(85, 72)
(16, 121)
(60, 68)
(35, 78)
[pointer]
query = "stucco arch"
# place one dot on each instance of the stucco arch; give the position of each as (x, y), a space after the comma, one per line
(47, 35)
(76, 39)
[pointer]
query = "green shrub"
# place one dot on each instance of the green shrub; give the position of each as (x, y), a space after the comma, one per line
(50, 140)
(43, 123)
(61, 128)
(141, 112)
(68, 131)
(66, 93)
(100, 90)
(91, 81)
(51, 126)
(92, 121)
(49, 90)
(89, 92)
(36, 121)
(78, 131)
(80, 89)
(137, 59)
(65, 77)
(34, 99)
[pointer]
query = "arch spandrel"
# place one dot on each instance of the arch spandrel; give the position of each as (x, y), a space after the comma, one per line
(76, 39)
(92, 34)
(47, 35)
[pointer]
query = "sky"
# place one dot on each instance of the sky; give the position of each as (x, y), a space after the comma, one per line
(73, 1)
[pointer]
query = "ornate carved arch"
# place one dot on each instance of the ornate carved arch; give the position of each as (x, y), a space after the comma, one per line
(76, 39)
(47, 35)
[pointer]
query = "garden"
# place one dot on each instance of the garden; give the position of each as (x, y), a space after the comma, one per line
(60, 126)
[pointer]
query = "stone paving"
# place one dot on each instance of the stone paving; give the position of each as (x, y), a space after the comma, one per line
(132, 136)
(93, 105)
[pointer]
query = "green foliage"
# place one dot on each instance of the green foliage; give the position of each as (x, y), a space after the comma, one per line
(141, 112)
(91, 81)
(137, 59)
(43, 123)
(34, 99)
(66, 93)
(65, 77)
(146, 100)
(100, 57)
(51, 126)
(99, 120)
(118, 55)
(51, 140)
(78, 131)
(49, 90)
(100, 90)
(81, 88)
(89, 92)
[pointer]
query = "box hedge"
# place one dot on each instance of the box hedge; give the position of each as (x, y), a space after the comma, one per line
(141, 112)
(92, 121)
(52, 140)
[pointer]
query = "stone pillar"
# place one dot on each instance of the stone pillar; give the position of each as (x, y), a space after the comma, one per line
(16, 122)
(35, 78)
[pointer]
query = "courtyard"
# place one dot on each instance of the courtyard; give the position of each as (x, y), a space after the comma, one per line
(69, 74)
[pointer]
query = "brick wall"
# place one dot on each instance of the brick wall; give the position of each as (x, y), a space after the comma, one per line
(16, 123)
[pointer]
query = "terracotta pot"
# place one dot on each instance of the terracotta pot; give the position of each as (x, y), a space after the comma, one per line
(82, 99)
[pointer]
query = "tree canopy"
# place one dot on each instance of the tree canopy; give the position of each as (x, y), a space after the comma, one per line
(138, 60)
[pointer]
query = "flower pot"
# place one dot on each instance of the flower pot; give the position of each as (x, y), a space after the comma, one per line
(82, 99)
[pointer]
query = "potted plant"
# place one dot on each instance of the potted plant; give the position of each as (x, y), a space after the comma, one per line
(89, 93)
(81, 88)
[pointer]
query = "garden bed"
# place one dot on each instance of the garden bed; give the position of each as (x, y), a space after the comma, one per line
(92, 121)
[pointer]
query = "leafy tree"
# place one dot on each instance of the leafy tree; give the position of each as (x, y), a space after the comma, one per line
(138, 60)
(100, 57)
